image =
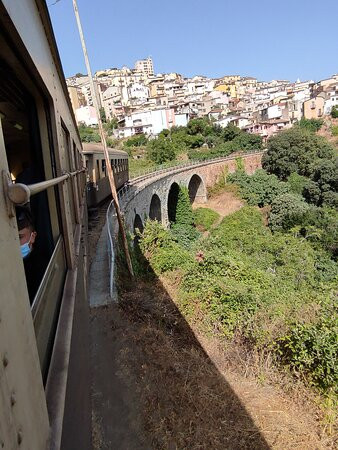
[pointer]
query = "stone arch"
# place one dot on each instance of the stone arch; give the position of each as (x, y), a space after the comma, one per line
(172, 201)
(138, 224)
(155, 208)
(197, 191)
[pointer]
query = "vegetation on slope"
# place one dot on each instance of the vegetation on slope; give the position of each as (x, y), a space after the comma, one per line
(271, 285)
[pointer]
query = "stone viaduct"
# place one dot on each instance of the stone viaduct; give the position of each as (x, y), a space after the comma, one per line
(155, 196)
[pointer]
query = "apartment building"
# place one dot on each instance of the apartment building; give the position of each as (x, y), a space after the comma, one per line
(146, 66)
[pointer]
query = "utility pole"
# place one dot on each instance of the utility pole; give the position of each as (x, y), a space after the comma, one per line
(104, 143)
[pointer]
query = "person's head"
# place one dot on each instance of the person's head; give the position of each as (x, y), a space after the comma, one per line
(27, 233)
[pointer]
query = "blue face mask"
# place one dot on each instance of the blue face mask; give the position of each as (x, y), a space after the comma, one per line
(26, 249)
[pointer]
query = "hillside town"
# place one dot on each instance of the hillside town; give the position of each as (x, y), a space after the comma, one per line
(144, 102)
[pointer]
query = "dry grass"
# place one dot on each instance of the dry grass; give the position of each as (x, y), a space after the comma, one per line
(197, 392)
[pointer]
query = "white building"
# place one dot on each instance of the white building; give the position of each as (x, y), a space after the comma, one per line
(151, 122)
(86, 115)
(331, 100)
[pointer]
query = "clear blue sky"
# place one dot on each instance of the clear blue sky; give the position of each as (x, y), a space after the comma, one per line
(261, 38)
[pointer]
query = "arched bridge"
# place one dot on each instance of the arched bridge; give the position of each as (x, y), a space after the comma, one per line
(155, 195)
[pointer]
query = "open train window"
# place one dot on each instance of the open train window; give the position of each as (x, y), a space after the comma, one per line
(26, 128)
(20, 126)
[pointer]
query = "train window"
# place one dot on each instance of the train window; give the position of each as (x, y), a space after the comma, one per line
(98, 169)
(21, 132)
(103, 166)
(67, 163)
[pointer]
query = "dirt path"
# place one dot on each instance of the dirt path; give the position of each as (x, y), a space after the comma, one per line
(224, 204)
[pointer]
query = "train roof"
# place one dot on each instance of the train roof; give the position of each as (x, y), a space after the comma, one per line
(93, 147)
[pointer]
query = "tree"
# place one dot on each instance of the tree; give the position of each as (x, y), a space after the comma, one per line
(184, 214)
(230, 132)
(183, 230)
(287, 210)
(111, 125)
(201, 126)
(79, 75)
(310, 124)
(334, 112)
(103, 115)
(246, 142)
(295, 150)
(138, 140)
(160, 150)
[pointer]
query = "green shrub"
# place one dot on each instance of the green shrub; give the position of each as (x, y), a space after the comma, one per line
(297, 183)
(334, 112)
(136, 141)
(170, 257)
(89, 134)
(154, 236)
(311, 349)
(258, 189)
(161, 150)
(312, 125)
(184, 235)
(204, 218)
(334, 129)
(287, 210)
(184, 214)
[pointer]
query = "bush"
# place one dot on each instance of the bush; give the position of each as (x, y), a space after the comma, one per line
(297, 183)
(154, 236)
(184, 215)
(258, 189)
(171, 257)
(312, 125)
(184, 235)
(334, 128)
(312, 348)
(334, 112)
(138, 140)
(204, 218)
(160, 150)
(287, 210)
(88, 134)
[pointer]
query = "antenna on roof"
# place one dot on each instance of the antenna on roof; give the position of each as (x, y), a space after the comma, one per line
(104, 142)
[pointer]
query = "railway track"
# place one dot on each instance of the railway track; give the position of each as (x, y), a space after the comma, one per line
(96, 221)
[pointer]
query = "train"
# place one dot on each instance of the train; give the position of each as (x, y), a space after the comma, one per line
(98, 188)
(48, 182)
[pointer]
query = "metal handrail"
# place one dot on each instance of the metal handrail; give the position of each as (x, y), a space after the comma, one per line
(20, 193)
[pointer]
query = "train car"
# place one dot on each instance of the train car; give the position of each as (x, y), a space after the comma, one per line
(98, 188)
(44, 387)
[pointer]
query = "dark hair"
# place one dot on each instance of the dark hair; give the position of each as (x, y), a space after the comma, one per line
(24, 217)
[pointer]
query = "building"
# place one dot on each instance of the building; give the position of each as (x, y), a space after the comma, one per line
(86, 115)
(146, 66)
(76, 97)
(267, 128)
(314, 107)
(151, 122)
